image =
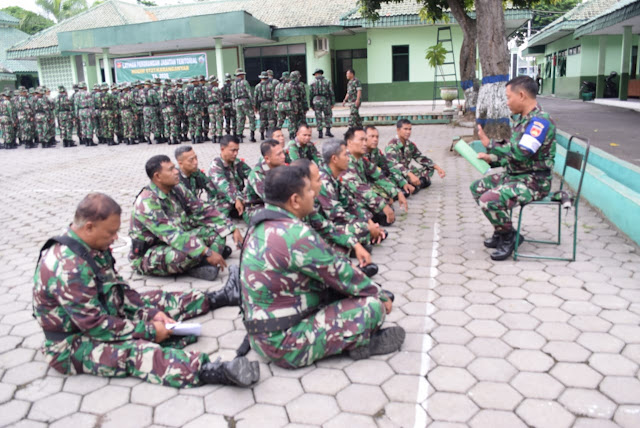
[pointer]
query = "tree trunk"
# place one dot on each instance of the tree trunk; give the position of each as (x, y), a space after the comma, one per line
(468, 79)
(492, 111)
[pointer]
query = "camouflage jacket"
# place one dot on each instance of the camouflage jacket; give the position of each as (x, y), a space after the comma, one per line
(285, 93)
(353, 87)
(321, 87)
(213, 95)
(42, 106)
(65, 299)
(63, 103)
(199, 181)
(6, 109)
(160, 217)
(532, 146)
(336, 203)
(127, 102)
(240, 89)
(301, 96)
(226, 92)
(84, 100)
(401, 154)
(254, 192)
(286, 267)
(297, 151)
(327, 229)
(23, 106)
(359, 177)
(387, 167)
(149, 97)
(229, 180)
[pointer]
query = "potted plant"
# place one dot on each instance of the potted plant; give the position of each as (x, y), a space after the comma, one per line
(435, 56)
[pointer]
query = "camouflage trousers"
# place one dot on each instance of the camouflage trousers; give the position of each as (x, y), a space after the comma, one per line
(268, 116)
(244, 110)
(215, 119)
(171, 121)
(498, 194)
(107, 126)
(128, 124)
(184, 122)
(164, 363)
(150, 122)
(160, 121)
(7, 130)
(164, 260)
(324, 114)
(229, 116)
(285, 111)
(26, 128)
(65, 123)
(340, 326)
(138, 123)
(195, 120)
(205, 119)
(117, 123)
(354, 115)
(85, 122)
(43, 126)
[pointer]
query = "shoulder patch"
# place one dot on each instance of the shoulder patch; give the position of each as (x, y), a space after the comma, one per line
(534, 135)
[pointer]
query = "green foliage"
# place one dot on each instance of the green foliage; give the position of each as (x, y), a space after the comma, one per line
(545, 12)
(30, 23)
(62, 9)
(149, 3)
(436, 55)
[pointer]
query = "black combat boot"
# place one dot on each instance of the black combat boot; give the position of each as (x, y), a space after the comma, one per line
(71, 144)
(253, 136)
(262, 135)
(239, 372)
(495, 238)
(204, 271)
(226, 252)
(506, 245)
(389, 294)
(425, 182)
(214, 140)
(229, 295)
(329, 134)
(370, 270)
(384, 341)
(320, 133)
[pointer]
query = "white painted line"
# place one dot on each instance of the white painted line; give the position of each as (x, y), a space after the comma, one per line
(420, 420)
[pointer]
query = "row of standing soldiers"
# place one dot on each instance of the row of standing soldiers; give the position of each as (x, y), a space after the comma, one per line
(162, 111)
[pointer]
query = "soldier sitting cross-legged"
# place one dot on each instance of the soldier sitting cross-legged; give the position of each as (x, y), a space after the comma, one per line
(94, 323)
(303, 301)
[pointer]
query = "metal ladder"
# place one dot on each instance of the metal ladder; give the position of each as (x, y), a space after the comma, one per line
(450, 64)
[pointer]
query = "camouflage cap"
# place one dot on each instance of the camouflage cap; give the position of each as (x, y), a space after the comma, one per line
(167, 81)
(22, 89)
(74, 86)
(227, 76)
(157, 81)
(61, 89)
(285, 74)
(240, 72)
(114, 86)
(295, 74)
(32, 90)
(270, 72)
(105, 86)
(213, 78)
(147, 82)
(318, 70)
(179, 81)
(263, 75)
(7, 92)
(82, 85)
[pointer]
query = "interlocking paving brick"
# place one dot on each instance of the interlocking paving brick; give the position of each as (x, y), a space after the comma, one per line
(530, 360)
(613, 365)
(544, 413)
(40, 388)
(628, 416)
(55, 407)
(179, 410)
(486, 328)
(496, 419)
(25, 373)
(77, 420)
(267, 415)
(488, 347)
(312, 409)
(361, 399)
(372, 372)
(537, 385)
(495, 395)
(325, 381)
(228, 400)
(451, 355)
(150, 394)
(105, 399)
(445, 406)
(277, 390)
(451, 379)
(128, 416)
(406, 388)
(623, 390)
(587, 402)
(492, 369)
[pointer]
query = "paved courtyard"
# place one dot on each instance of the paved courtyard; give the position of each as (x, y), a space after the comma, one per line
(489, 344)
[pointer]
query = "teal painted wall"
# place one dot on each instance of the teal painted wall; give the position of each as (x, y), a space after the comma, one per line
(355, 41)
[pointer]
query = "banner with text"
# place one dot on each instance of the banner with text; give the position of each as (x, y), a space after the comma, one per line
(163, 67)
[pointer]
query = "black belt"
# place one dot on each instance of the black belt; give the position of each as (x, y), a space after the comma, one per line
(276, 324)
(242, 98)
(57, 336)
(540, 174)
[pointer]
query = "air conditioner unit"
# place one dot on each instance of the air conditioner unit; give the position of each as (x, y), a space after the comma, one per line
(321, 46)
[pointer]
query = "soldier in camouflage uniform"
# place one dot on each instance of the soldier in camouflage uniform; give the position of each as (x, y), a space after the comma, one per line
(157, 86)
(76, 119)
(64, 112)
(97, 125)
(169, 104)
(360, 177)
(84, 106)
(301, 300)
(182, 113)
(402, 152)
(193, 96)
(204, 86)
(172, 231)
(95, 323)
(354, 98)
(301, 98)
(43, 123)
(150, 102)
(107, 126)
(8, 121)
(302, 147)
(264, 103)
(116, 93)
(52, 118)
(127, 108)
(228, 174)
(272, 157)
(244, 105)
(286, 103)
(228, 109)
(26, 120)
(322, 96)
(195, 179)
(214, 100)
(388, 168)
(335, 202)
(528, 157)
(138, 111)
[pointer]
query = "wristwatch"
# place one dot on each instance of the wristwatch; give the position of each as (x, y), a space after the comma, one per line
(208, 253)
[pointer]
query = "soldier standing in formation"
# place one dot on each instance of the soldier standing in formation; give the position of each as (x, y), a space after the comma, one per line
(215, 102)
(244, 105)
(285, 97)
(8, 121)
(354, 98)
(301, 98)
(168, 103)
(43, 121)
(264, 103)
(193, 100)
(127, 108)
(228, 109)
(322, 97)
(64, 113)
(26, 125)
